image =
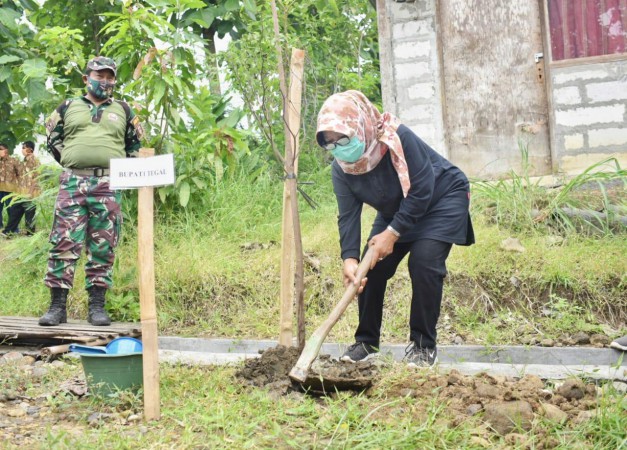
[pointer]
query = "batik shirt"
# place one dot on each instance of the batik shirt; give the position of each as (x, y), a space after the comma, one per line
(9, 173)
(29, 185)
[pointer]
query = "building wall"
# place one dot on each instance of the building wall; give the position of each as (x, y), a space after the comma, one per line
(410, 69)
(588, 102)
(589, 114)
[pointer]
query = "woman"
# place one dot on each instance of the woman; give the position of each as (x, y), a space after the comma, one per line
(422, 210)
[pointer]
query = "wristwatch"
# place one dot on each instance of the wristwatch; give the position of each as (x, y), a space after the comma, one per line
(393, 231)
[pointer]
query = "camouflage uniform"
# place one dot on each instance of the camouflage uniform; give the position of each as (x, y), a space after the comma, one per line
(9, 173)
(86, 208)
(29, 187)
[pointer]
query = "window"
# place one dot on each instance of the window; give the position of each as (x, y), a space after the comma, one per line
(582, 28)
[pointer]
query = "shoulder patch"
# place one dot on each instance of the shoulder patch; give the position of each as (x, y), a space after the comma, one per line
(139, 130)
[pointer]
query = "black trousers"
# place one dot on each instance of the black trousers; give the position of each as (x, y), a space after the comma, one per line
(427, 270)
(3, 203)
(16, 212)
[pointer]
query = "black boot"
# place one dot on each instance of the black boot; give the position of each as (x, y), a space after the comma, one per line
(97, 314)
(57, 313)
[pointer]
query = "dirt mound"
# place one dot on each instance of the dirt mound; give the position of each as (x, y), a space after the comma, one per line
(271, 371)
(505, 404)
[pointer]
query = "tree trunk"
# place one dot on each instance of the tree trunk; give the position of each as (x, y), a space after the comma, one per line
(209, 35)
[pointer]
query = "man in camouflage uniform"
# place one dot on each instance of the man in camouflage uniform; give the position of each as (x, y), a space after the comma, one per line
(29, 188)
(83, 135)
(9, 172)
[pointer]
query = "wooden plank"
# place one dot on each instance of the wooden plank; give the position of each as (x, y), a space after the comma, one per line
(32, 323)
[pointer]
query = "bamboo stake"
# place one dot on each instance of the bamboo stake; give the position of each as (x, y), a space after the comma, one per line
(291, 243)
(147, 297)
(297, 68)
(287, 286)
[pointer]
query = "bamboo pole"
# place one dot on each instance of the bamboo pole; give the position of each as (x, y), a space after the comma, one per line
(297, 69)
(147, 297)
(286, 302)
(291, 226)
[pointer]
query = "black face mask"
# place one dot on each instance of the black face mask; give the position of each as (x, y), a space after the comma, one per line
(102, 90)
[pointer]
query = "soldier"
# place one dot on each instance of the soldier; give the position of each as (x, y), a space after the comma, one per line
(83, 135)
(9, 172)
(29, 187)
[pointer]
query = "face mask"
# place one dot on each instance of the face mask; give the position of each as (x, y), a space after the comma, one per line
(350, 152)
(100, 89)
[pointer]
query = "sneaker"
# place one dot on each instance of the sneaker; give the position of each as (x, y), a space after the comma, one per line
(420, 356)
(359, 351)
(620, 343)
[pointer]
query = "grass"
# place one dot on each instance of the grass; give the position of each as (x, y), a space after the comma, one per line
(206, 407)
(217, 273)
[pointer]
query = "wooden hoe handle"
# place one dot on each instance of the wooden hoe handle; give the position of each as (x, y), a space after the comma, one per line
(312, 347)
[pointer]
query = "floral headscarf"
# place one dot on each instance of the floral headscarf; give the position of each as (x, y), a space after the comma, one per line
(352, 114)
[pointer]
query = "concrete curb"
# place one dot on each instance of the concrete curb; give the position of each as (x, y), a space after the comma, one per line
(546, 362)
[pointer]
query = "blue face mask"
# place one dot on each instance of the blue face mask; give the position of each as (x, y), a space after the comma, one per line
(350, 152)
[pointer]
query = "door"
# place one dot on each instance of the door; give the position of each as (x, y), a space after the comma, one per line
(495, 105)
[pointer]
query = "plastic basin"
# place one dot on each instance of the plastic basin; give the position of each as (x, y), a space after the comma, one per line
(124, 345)
(106, 374)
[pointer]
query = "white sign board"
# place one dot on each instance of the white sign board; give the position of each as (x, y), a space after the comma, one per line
(130, 173)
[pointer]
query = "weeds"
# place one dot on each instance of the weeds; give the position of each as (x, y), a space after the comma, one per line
(521, 204)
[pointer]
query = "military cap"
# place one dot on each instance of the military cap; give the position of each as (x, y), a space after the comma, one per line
(101, 63)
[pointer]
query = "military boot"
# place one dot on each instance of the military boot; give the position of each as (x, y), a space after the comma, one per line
(57, 313)
(97, 314)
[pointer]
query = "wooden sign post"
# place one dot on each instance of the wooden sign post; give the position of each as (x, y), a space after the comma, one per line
(145, 236)
(144, 173)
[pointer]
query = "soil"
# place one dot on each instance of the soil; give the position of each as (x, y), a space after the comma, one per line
(326, 375)
(508, 404)
(499, 404)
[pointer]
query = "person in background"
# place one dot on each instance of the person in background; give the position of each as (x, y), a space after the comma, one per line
(9, 174)
(29, 187)
(422, 203)
(84, 134)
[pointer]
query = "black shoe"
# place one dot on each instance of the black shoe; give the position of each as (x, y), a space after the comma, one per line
(420, 356)
(620, 343)
(57, 313)
(97, 314)
(359, 351)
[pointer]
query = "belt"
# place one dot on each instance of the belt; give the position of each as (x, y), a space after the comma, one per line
(90, 172)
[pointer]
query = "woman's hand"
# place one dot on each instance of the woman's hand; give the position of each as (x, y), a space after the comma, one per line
(350, 269)
(381, 245)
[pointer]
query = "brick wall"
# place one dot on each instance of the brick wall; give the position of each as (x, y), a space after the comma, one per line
(590, 114)
(413, 94)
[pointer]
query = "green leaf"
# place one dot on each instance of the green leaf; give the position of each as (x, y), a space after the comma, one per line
(158, 3)
(175, 116)
(36, 90)
(251, 7)
(34, 68)
(5, 73)
(184, 192)
(231, 5)
(158, 91)
(29, 5)
(9, 18)
(9, 59)
(163, 194)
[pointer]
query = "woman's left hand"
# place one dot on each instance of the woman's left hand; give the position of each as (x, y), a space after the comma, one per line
(382, 245)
